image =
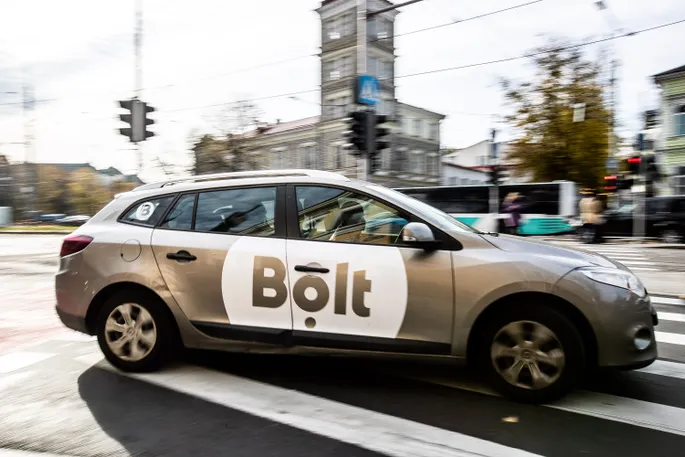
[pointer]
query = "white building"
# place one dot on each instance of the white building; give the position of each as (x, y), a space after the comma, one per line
(458, 175)
(477, 158)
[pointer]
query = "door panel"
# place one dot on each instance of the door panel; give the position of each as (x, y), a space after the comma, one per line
(362, 285)
(227, 265)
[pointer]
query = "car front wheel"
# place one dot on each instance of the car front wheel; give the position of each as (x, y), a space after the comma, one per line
(135, 333)
(532, 354)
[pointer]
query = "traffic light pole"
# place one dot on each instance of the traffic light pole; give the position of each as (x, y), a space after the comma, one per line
(137, 45)
(494, 188)
(639, 210)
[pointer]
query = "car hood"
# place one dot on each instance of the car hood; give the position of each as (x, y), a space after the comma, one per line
(575, 257)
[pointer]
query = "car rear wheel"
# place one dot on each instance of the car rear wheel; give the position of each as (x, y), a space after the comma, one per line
(532, 354)
(135, 333)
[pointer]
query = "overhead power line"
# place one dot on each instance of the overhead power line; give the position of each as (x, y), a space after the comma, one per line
(459, 21)
(533, 54)
(439, 70)
(191, 80)
(442, 70)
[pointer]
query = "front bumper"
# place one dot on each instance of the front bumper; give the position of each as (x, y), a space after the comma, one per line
(623, 323)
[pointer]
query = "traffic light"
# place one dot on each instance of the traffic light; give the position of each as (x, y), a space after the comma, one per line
(356, 133)
(127, 118)
(146, 110)
(494, 175)
(610, 183)
(634, 165)
(381, 133)
(137, 120)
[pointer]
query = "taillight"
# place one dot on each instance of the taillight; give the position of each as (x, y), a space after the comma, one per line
(73, 244)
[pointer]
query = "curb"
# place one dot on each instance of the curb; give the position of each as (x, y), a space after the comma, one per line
(35, 232)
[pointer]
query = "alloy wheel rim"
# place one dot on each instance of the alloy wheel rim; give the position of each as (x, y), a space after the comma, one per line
(130, 332)
(528, 355)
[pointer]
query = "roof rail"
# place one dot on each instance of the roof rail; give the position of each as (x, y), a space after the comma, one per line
(244, 175)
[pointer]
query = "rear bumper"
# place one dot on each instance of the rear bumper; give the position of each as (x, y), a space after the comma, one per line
(73, 321)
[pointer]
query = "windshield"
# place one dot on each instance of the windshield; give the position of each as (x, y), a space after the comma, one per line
(443, 220)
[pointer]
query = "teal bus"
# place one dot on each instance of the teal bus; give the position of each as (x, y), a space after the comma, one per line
(549, 208)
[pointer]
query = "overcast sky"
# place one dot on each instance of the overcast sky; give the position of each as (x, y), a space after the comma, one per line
(78, 54)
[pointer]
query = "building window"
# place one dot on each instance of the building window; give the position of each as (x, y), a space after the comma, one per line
(435, 131)
(385, 71)
(372, 66)
(309, 157)
(417, 127)
(417, 164)
(432, 160)
(338, 27)
(680, 120)
(340, 155)
(453, 181)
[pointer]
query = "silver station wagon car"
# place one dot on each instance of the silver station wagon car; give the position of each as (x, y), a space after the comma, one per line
(299, 259)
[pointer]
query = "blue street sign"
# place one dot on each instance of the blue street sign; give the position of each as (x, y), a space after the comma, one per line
(367, 90)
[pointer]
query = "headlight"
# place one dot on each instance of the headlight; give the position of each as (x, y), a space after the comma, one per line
(618, 278)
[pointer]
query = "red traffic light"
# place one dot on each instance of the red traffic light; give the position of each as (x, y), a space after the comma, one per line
(635, 160)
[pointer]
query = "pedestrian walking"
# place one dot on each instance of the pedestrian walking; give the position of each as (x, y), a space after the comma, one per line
(592, 218)
(512, 206)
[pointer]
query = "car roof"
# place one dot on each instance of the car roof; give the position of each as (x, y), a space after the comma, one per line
(241, 178)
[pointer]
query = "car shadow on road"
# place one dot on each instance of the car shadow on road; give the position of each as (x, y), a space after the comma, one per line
(149, 420)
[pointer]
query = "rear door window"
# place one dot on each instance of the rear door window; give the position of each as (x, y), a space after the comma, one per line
(239, 211)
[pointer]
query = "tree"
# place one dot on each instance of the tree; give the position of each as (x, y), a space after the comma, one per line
(229, 149)
(88, 194)
(52, 189)
(549, 144)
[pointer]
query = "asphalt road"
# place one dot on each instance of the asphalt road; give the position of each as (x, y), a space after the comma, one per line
(59, 397)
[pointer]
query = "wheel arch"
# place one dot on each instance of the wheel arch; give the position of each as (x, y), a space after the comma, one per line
(110, 290)
(566, 308)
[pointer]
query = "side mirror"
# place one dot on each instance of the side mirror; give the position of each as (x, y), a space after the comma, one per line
(420, 235)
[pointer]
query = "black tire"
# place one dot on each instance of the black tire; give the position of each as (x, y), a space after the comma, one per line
(166, 341)
(567, 335)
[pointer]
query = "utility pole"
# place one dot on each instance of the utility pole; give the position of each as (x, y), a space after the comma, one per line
(30, 175)
(138, 80)
(362, 50)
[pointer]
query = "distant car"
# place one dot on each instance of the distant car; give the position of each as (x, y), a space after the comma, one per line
(664, 219)
(50, 217)
(73, 220)
(301, 258)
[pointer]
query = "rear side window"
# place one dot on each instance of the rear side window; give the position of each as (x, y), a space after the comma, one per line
(147, 212)
(248, 211)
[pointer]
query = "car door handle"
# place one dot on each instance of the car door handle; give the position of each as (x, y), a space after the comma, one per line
(308, 269)
(181, 256)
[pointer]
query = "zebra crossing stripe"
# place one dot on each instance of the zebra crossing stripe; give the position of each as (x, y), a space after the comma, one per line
(367, 429)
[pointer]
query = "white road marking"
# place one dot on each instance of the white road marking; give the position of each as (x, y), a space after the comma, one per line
(377, 432)
(665, 368)
(629, 263)
(611, 407)
(674, 317)
(16, 453)
(642, 268)
(14, 378)
(670, 338)
(667, 301)
(21, 359)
